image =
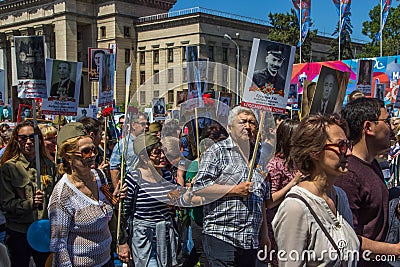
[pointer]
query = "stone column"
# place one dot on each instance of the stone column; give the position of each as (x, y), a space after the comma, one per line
(65, 29)
(10, 38)
(3, 65)
(45, 30)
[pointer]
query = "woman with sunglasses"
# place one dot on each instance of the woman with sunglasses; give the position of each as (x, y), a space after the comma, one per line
(153, 238)
(79, 211)
(312, 225)
(21, 199)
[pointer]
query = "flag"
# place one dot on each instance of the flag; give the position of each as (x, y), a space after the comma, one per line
(385, 7)
(304, 18)
(343, 9)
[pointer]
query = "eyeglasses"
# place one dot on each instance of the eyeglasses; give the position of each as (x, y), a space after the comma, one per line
(387, 121)
(24, 138)
(87, 152)
(343, 146)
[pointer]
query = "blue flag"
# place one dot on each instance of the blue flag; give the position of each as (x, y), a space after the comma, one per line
(385, 7)
(304, 17)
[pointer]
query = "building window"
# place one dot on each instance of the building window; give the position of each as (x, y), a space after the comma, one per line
(156, 94)
(127, 32)
(142, 97)
(103, 31)
(156, 79)
(211, 52)
(127, 55)
(225, 54)
(156, 56)
(79, 36)
(170, 55)
(142, 77)
(184, 53)
(171, 96)
(184, 75)
(142, 57)
(170, 75)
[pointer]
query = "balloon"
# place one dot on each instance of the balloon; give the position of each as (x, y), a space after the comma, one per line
(39, 235)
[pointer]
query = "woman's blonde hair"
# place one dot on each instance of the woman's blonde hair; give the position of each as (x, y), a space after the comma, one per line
(67, 147)
(47, 130)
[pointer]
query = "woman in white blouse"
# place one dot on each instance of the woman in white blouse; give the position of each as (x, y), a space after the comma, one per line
(79, 211)
(320, 149)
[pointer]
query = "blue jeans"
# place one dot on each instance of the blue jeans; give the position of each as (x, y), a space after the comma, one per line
(223, 254)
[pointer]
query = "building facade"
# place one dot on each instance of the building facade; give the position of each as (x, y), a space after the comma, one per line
(147, 36)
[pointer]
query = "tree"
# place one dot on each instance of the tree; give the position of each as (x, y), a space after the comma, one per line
(346, 51)
(390, 33)
(285, 29)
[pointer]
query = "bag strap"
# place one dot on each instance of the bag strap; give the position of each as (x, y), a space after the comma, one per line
(101, 176)
(318, 221)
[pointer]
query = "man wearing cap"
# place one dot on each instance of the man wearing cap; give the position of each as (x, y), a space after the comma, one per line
(155, 129)
(270, 76)
(139, 125)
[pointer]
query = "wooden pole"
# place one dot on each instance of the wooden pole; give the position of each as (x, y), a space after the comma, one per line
(253, 158)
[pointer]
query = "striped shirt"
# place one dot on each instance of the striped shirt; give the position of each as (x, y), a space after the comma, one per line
(152, 203)
(234, 220)
(79, 226)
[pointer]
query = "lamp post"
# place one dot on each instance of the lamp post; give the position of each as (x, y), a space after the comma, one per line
(227, 36)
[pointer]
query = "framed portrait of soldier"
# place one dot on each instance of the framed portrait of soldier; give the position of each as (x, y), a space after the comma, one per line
(159, 108)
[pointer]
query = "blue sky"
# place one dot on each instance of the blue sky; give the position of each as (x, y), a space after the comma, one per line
(323, 12)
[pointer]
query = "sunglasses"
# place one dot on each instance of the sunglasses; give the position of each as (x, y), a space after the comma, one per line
(88, 151)
(158, 151)
(343, 146)
(24, 138)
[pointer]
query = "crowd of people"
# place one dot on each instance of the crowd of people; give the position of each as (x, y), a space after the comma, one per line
(310, 193)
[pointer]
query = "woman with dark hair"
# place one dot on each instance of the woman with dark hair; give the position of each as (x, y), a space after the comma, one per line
(314, 221)
(153, 238)
(21, 199)
(282, 173)
(80, 208)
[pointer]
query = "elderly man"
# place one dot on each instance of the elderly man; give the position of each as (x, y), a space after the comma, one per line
(234, 213)
(139, 125)
(270, 76)
(65, 87)
(327, 104)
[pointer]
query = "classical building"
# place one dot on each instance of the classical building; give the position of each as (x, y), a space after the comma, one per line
(147, 35)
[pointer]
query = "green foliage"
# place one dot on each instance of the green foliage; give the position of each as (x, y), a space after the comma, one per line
(285, 29)
(391, 33)
(346, 51)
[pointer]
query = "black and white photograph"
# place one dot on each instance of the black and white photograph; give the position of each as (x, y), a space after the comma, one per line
(224, 104)
(63, 80)
(327, 91)
(95, 55)
(269, 74)
(364, 77)
(159, 107)
(380, 91)
(30, 57)
(292, 95)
